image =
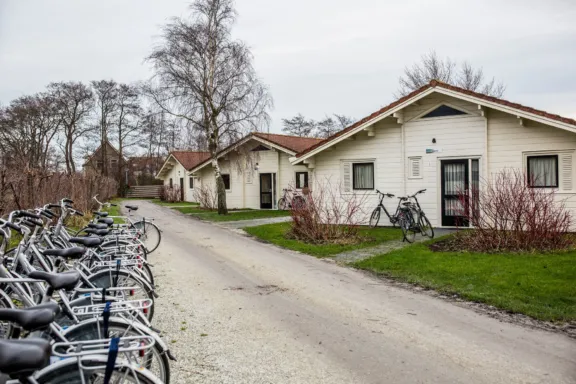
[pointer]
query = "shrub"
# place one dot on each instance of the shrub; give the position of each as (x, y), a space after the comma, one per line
(328, 216)
(170, 195)
(508, 215)
(206, 197)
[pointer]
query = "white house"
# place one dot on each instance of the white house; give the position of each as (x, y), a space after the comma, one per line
(256, 169)
(174, 171)
(444, 138)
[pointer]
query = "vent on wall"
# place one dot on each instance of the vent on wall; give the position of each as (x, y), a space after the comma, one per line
(415, 167)
(566, 171)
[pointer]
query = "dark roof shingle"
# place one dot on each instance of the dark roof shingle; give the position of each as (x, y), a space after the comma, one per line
(190, 159)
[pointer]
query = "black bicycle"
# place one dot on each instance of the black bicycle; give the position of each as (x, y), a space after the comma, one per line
(409, 216)
(394, 219)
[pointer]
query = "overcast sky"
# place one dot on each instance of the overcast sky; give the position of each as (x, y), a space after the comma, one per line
(317, 56)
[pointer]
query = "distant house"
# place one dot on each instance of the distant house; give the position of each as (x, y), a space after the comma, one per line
(174, 171)
(96, 162)
(143, 169)
(256, 169)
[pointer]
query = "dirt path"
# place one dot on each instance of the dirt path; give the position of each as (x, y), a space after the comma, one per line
(238, 311)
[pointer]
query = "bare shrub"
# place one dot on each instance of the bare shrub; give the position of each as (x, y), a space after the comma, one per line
(27, 189)
(171, 194)
(508, 215)
(328, 216)
(206, 196)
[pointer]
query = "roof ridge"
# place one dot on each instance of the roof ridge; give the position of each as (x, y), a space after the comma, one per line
(285, 135)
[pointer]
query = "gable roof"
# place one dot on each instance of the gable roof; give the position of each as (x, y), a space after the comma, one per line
(108, 144)
(188, 159)
(437, 86)
(289, 144)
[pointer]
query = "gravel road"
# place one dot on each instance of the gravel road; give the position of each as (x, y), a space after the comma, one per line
(238, 311)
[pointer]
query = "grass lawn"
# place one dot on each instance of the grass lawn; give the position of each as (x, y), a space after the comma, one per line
(275, 234)
(177, 204)
(237, 216)
(540, 286)
(115, 211)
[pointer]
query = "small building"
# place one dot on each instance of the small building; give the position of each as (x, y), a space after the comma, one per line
(446, 139)
(175, 169)
(109, 162)
(256, 169)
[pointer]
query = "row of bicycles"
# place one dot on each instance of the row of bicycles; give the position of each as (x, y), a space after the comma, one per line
(409, 216)
(77, 306)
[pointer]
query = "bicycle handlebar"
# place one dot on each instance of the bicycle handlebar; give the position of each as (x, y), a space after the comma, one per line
(385, 194)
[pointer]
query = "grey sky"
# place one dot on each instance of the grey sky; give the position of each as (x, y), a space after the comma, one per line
(317, 56)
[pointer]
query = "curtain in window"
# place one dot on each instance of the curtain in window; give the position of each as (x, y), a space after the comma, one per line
(543, 171)
(454, 179)
(363, 176)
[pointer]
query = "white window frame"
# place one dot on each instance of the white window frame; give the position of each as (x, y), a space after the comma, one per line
(420, 160)
(351, 163)
(561, 153)
(420, 115)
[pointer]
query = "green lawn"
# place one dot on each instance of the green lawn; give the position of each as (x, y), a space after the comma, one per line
(540, 286)
(176, 204)
(115, 211)
(275, 234)
(237, 216)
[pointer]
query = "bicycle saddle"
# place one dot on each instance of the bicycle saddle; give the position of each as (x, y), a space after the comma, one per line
(99, 232)
(107, 221)
(132, 207)
(64, 280)
(89, 242)
(21, 356)
(97, 226)
(31, 318)
(101, 214)
(72, 253)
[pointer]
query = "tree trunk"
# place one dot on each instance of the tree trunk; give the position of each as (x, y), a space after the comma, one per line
(220, 189)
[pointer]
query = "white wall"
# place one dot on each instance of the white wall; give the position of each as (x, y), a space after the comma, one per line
(244, 188)
(176, 173)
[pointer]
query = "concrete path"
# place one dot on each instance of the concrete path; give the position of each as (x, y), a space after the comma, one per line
(389, 246)
(235, 310)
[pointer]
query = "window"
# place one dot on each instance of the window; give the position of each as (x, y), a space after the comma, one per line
(191, 181)
(99, 165)
(260, 148)
(443, 110)
(301, 180)
(226, 179)
(363, 176)
(414, 167)
(171, 183)
(543, 171)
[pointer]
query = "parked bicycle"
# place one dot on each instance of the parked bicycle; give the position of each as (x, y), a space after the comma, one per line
(291, 199)
(408, 215)
(77, 309)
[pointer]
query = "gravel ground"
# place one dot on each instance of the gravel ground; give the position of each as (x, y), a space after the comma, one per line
(234, 310)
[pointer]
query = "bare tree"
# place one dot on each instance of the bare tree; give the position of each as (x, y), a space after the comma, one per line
(330, 125)
(106, 92)
(298, 126)
(205, 77)
(431, 67)
(127, 126)
(74, 102)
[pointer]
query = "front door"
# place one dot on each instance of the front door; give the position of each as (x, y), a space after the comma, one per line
(182, 189)
(455, 182)
(266, 191)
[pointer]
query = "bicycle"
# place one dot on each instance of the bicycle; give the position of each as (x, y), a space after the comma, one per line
(375, 216)
(296, 201)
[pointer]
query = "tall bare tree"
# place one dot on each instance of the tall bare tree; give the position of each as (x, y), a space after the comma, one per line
(106, 92)
(304, 127)
(330, 125)
(463, 75)
(205, 77)
(74, 102)
(127, 126)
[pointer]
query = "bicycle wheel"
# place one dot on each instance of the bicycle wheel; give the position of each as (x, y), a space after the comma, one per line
(375, 218)
(155, 359)
(406, 223)
(6, 328)
(298, 202)
(425, 227)
(106, 279)
(150, 235)
(66, 372)
(282, 204)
